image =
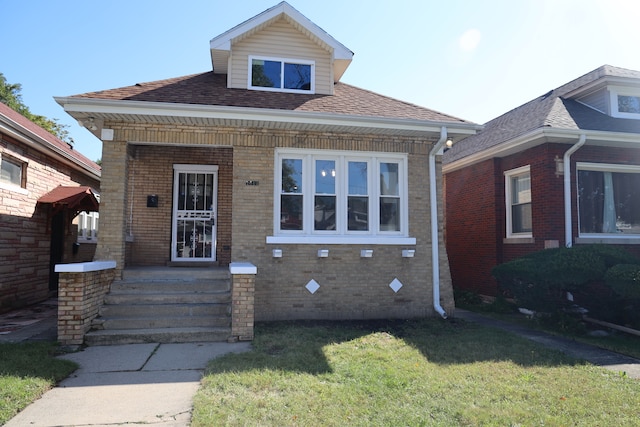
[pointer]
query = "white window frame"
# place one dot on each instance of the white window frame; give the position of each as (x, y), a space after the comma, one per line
(282, 61)
(341, 235)
(604, 167)
(508, 192)
(615, 92)
(88, 221)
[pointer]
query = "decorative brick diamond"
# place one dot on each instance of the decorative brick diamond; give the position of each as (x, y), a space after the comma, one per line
(313, 286)
(395, 285)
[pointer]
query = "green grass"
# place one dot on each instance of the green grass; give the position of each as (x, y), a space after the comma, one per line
(26, 372)
(407, 373)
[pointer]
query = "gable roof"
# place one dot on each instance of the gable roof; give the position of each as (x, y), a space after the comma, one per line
(21, 128)
(221, 45)
(554, 110)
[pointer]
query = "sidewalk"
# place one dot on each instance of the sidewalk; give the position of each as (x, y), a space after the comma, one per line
(127, 384)
(607, 359)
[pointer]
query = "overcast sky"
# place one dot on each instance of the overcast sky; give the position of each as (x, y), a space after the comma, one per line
(474, 59)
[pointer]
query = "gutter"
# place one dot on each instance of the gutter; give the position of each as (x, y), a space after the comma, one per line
(433, 202)
(566, 159)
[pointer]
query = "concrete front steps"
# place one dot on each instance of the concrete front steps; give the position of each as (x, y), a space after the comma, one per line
(165, 305)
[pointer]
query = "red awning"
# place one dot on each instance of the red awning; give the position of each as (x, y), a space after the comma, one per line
(75, 199)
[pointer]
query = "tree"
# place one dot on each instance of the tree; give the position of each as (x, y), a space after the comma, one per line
(10, 96)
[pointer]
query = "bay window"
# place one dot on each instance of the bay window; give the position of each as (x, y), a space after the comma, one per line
(608, 200)
(340, 194)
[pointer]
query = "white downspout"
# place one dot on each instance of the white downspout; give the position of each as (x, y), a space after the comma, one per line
(566, 162)
(433, 202)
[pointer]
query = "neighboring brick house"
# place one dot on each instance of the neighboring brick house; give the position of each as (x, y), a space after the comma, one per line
(560, 170)
(270, 159)
(44, 184)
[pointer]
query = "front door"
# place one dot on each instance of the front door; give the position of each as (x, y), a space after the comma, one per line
(195, 190)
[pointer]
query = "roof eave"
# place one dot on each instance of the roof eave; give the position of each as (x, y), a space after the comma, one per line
(80, 108)
(32, 139)
(542, 136)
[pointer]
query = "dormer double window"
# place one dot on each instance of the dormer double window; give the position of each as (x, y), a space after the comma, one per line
(281, 75)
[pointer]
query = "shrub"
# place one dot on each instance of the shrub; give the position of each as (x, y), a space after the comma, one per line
(624, 279)
(539, 281)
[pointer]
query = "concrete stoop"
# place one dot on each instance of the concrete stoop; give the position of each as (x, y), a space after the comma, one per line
(165, 305)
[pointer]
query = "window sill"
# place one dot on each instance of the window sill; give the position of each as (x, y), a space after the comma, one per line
(341, 240)
(518, 240)
(607, 240)
(87, 242)
(14, 188)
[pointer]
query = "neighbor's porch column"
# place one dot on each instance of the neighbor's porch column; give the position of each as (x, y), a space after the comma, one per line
(113, 203)
(243, 284)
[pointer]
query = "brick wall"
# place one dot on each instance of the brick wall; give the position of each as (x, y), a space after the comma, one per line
(475, 216)
(151, 172)
(351, 287)
(25, 234)
(80, 297)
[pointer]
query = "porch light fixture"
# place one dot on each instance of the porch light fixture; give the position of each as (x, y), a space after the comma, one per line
(276, 253)
(366, 253)
(449, 143)
(559, 166)
(323, 253)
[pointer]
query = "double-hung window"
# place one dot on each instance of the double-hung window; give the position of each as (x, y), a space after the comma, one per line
(608, 200)
(340, 194)
(281, 75)
(518, 202)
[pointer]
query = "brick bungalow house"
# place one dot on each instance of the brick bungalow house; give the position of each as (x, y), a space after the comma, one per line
(44, 187)
(560, 170)
(270, 159)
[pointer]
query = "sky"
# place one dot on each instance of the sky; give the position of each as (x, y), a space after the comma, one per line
(473, 59)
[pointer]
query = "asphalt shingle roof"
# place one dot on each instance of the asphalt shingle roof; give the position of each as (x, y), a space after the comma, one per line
(211, 89)
(50, 139)
(552, 109)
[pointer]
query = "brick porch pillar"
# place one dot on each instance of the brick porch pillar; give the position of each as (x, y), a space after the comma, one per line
(243, 279)
(113, 204)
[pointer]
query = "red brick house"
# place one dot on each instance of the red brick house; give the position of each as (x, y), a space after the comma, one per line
(270, 159)
(44, 185)
(562, 169)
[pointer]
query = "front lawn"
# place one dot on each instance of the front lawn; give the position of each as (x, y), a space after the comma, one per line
(26, 372)
(407, 373)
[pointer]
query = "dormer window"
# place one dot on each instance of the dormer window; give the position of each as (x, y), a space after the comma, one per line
(625, 102)
(281, 75)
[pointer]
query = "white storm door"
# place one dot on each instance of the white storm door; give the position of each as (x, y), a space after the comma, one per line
(195, 192)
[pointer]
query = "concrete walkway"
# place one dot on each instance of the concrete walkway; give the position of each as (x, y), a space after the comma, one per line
(150, 384)
(607, 359)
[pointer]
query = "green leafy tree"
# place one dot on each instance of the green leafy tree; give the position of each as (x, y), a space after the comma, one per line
(10, 96)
